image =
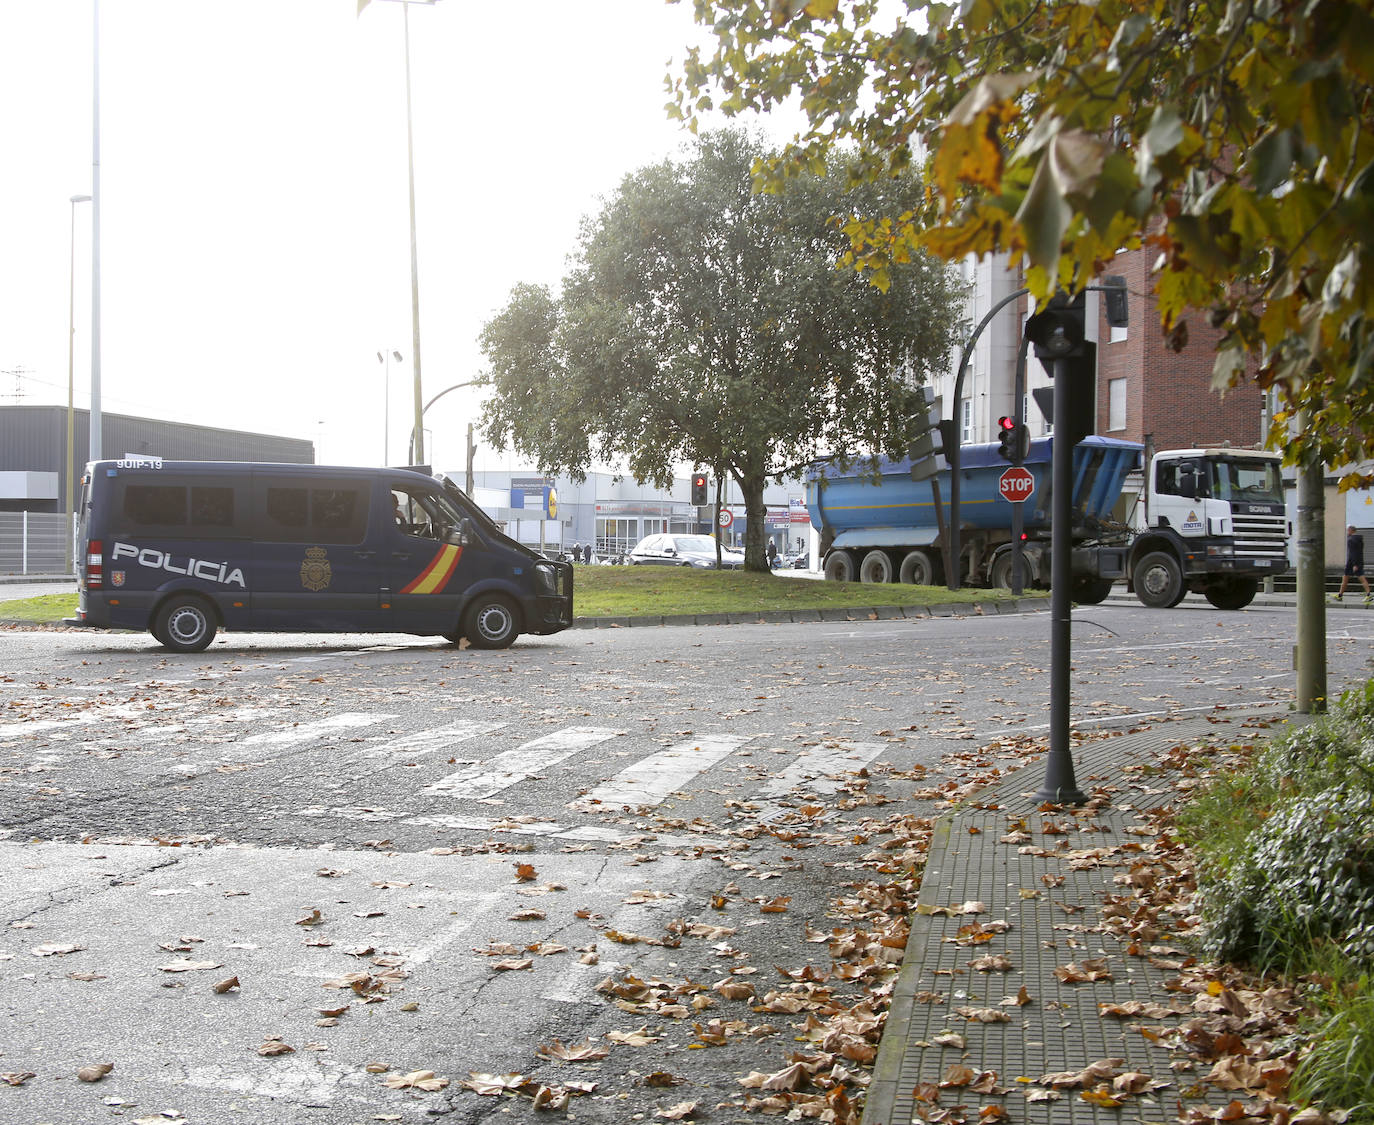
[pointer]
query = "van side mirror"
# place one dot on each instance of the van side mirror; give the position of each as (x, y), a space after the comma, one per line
(461, 535)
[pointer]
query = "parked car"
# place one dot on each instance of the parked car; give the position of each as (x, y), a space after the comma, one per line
(683, 550)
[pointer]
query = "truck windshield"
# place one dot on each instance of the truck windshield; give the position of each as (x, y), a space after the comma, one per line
(1251, 482)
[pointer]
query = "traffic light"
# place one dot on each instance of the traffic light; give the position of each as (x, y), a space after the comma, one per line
(1013, 440)
(931, 438)
(699, 483)
(1058, 331)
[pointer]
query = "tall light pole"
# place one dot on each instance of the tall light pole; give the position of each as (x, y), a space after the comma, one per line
(419, 438)
(385, 359)
(70, 470)
(94, 416)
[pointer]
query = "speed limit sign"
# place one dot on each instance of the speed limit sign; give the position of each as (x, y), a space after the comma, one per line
(727, 517)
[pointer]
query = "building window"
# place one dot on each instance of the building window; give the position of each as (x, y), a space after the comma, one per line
(966, 422)
(1116, 404)
(1119, 333)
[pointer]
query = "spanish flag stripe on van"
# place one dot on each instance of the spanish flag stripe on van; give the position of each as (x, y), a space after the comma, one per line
(435, 576)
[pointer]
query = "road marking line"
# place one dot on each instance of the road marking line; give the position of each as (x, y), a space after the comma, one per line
(815, 765)
(514, 766)
(651, 779)
(429, 741)
(320, 728)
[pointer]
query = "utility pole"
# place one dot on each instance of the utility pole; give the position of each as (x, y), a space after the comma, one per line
(1309, 657)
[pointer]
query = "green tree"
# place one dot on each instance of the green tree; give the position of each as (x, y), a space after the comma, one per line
(1234, 137)
(705, 323)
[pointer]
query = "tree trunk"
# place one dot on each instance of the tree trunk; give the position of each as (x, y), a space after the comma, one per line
(755, 523)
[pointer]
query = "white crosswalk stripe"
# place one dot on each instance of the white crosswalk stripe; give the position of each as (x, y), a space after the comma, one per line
(320, 728)
(423, 742)
(504, 770)
(819, 768)
(651, 779)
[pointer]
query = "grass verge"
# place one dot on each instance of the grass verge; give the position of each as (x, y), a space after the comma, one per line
(635, 591)
(1285, 860)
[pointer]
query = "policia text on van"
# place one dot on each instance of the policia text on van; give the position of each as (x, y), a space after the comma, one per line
(183, 547)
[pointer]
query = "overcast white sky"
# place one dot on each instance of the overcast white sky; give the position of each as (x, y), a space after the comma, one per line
(255, 247)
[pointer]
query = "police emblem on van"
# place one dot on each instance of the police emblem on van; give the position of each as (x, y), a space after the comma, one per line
(316, 573)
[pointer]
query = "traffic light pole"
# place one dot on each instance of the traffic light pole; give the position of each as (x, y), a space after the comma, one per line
(1059, 785)
(952, 452)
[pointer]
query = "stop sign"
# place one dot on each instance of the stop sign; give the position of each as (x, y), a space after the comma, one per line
(1016, 484)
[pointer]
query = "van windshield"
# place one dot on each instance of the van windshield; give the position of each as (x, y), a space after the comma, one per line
(456, 496)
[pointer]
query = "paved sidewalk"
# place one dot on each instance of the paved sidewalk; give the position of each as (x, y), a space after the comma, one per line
(1060, 1028)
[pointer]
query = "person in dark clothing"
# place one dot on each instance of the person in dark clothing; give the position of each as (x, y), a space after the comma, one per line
(1354, 563)
(587, 552)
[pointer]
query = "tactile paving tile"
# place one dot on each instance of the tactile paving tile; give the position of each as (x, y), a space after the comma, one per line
(1060, 1029)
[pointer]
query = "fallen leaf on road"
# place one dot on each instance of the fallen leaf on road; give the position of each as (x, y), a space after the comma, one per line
(491, 1084)
(274, 1046)
(678, 1112)
(223, 986)
(95, 1072)
(571, 1052)
(416, 1079)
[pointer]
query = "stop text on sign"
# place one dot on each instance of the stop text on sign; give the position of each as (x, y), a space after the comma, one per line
(1016, 484)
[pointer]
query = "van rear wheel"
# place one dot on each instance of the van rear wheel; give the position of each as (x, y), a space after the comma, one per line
(185, 623)
(491, 622)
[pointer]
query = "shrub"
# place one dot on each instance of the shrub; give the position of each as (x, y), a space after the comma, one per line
(1305, 873)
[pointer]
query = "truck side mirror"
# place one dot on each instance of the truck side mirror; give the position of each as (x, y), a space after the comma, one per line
(1187, 481)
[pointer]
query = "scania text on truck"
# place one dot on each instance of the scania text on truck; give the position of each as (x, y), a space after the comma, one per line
(183, 548)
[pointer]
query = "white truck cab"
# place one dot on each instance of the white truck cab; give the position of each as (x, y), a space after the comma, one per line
(1212, 521)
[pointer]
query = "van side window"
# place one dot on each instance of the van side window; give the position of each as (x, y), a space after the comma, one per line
(155, 505)
(286, 508)
(301, 514)
(212, 507)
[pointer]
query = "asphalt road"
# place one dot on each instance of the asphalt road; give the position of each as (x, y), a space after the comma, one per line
(300, 813)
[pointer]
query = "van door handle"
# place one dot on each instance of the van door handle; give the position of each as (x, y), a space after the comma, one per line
(364, 554)
(402, 555)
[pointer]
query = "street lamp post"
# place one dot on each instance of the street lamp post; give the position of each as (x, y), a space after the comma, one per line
(70, 470)
(416, 450)
(419, 438)
(385, 358)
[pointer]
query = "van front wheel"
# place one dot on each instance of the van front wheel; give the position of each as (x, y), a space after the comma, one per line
(184, 623)
(491, 622)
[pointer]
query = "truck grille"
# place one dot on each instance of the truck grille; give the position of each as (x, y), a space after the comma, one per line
(1260, 536)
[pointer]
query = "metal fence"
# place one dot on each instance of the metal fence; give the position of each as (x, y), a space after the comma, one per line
(33, 543)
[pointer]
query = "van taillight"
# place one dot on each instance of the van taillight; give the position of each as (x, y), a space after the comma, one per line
(95, 565)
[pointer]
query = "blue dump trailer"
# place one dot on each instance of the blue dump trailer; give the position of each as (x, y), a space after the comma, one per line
(876, 524)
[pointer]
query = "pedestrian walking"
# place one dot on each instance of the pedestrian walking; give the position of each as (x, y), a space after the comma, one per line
(772, 553)
(1354, 563)
(587, 552)
(577, 552)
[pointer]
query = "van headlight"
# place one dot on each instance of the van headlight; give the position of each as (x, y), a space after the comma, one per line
(545, 579)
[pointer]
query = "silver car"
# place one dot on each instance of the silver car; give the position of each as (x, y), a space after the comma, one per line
(683, 550)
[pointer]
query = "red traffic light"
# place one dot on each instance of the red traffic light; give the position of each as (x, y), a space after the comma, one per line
(699, 489)
(1005, 423)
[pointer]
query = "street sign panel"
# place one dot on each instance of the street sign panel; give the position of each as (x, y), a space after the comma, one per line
(1016, 484)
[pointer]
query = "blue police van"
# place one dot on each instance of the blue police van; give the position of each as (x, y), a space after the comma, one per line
(184, 548)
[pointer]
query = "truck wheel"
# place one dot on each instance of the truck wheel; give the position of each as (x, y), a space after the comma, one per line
(917, 569)
(876, 567)
(1158, 580)
(1091, 591)
(839, 567)
(491, 622)
(999, 578)
(1231, 593)
(184, 623)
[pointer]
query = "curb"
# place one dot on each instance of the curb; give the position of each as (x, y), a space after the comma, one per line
(825, 614)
